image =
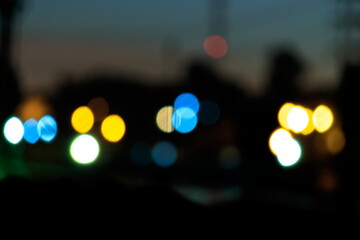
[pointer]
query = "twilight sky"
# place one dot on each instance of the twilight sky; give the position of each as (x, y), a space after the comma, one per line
(78, 37)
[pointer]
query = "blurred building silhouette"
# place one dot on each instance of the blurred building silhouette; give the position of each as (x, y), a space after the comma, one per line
(285, 68)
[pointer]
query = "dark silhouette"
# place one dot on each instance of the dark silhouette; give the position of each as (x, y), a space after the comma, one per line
(9, 85)
(348, 165)
(284, 73)
(10, 158)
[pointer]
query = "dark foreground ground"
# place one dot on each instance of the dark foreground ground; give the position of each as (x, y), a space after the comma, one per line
(107, 198)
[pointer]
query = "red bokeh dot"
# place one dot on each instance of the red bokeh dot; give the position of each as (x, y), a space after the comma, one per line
(215, 46)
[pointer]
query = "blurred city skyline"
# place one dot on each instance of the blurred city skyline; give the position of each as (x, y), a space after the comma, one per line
(61, 38)
(187, 138)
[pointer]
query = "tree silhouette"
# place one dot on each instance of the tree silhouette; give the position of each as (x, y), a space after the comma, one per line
(9, 85)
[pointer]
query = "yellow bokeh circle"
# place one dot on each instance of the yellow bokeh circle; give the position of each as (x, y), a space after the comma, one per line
(113, 128)
(283, 114)
(163, 119)
(323, 118)
(82, 119)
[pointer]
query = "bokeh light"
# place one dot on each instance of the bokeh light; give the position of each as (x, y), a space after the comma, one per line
(283, 115)
(289, 154)
(113, 128)
(215, 46)
(13, 130)
(297, 119)
(327, 180)
(310, 126)
(82, 119)
(184, 120)
(140, 154)
(229, 158)
(33, 107)
(335, 141)
(164, 154)
(323, 118)
(47, 128)
(209, 112)
(84, 149)
(278, 140)
(31, 133)
(187, 100)
(100, 108)
(287, 150)
(163, 119)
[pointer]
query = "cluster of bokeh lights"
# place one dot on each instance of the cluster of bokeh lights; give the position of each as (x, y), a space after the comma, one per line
(299, 119)
(85, 148)
(31, 130)
(181, 117)
(112, 127)
(186, 107)
(296, 119)
(185, 114)
(285, 147)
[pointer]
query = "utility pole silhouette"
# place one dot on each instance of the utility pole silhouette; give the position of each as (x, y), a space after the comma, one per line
(9, 85)
(218, 23)
(347, 25)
